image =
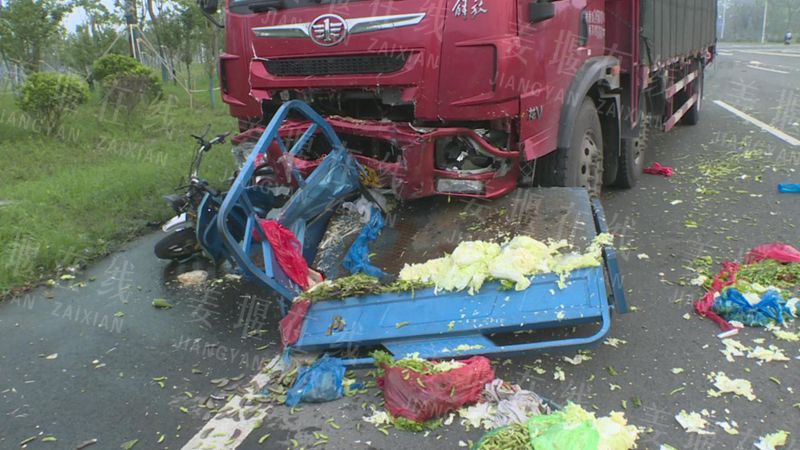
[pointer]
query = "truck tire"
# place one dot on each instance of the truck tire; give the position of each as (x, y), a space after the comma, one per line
(692, 116)
(631, 158)
(580, 165)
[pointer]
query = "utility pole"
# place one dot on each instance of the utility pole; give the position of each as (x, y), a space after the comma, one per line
(132, 22)
(722, 26)
(764, 25)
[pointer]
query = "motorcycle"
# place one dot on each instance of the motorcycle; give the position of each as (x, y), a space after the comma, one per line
(181, 241)
(194, 229)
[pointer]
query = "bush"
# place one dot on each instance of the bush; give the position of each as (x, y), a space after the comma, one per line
(46, 96)
(127, 90)
(113, 64)
(125, 82)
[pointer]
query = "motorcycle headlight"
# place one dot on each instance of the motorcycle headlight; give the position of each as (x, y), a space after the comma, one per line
(176, 202)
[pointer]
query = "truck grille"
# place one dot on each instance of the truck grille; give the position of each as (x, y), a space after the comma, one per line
(337, 65)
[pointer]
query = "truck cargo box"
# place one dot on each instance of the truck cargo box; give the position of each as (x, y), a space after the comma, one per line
(673, 28)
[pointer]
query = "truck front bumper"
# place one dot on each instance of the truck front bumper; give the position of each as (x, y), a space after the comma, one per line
(414, 172)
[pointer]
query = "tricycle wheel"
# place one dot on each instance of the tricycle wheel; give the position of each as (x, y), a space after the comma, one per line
(177, 245)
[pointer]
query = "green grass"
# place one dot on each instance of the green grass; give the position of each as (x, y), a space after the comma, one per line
(80, 194)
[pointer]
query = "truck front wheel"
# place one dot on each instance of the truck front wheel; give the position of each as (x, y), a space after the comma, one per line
(580, 165)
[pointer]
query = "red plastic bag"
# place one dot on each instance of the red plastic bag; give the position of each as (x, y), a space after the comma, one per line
(420, 397)
(783, 253)
(292, 324)
(658, 169)
(287, 249)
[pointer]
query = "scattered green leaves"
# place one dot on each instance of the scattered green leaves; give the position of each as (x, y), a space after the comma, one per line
(162, 303)
(129, 445)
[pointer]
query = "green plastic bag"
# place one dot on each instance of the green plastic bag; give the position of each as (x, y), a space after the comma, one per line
(553, 432)
(572, 428)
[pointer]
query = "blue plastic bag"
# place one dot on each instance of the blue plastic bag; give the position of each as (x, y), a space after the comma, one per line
(732, 305)
(335, 177)
(319, 383)
(357, 258)
(788, 188)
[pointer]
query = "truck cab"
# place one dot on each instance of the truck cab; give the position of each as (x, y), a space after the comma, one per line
(456, 97)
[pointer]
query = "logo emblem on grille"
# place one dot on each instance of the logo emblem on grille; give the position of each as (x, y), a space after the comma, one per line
(328, 30)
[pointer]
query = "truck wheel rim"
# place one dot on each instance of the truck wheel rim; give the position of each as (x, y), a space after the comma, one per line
(639, 147)
(700, 97)
(638, 155)
(591, 163)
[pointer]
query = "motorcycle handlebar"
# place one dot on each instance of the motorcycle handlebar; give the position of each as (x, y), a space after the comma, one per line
(206, 145)
(219, 139)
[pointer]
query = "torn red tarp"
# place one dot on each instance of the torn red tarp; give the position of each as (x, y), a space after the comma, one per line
(291, 325)
(287, 249)
(780, 252)
(658, 169)
(420, 397)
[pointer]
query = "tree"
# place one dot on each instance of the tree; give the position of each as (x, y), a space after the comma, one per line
(782, 17)
(28, 28)
(744, 19)
(96, 37)
(84, 47)
(191, 22)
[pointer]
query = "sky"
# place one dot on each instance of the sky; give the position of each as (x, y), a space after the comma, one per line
(78, 16)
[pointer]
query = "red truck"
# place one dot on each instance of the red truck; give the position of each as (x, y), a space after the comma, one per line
(472, 97)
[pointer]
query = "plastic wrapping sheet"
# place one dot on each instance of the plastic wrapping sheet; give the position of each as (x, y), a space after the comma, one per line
(421, 397)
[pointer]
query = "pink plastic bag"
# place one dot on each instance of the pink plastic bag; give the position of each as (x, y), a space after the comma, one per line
(783, 253)
(658, 169)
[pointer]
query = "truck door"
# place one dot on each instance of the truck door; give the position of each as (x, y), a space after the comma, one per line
(554, 49)
(479, 46)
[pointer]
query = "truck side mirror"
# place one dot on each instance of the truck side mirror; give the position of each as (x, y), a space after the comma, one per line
(540, 11)
(208, 6)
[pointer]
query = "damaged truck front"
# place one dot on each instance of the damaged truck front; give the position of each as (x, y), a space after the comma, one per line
(471, 97)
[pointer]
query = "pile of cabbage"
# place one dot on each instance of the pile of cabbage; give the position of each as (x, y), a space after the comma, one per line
(474, 262)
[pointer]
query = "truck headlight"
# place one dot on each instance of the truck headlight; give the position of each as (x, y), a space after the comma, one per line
(452, 186)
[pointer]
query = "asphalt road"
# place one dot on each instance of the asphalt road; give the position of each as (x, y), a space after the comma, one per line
(90, 358)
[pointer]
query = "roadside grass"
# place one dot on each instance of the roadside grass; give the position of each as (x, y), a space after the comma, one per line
(98, 183)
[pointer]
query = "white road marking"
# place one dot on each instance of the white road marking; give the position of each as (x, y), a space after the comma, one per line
(767, 69)
(725, 53)
(759, 52)
(768, 128)
(219, 431)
